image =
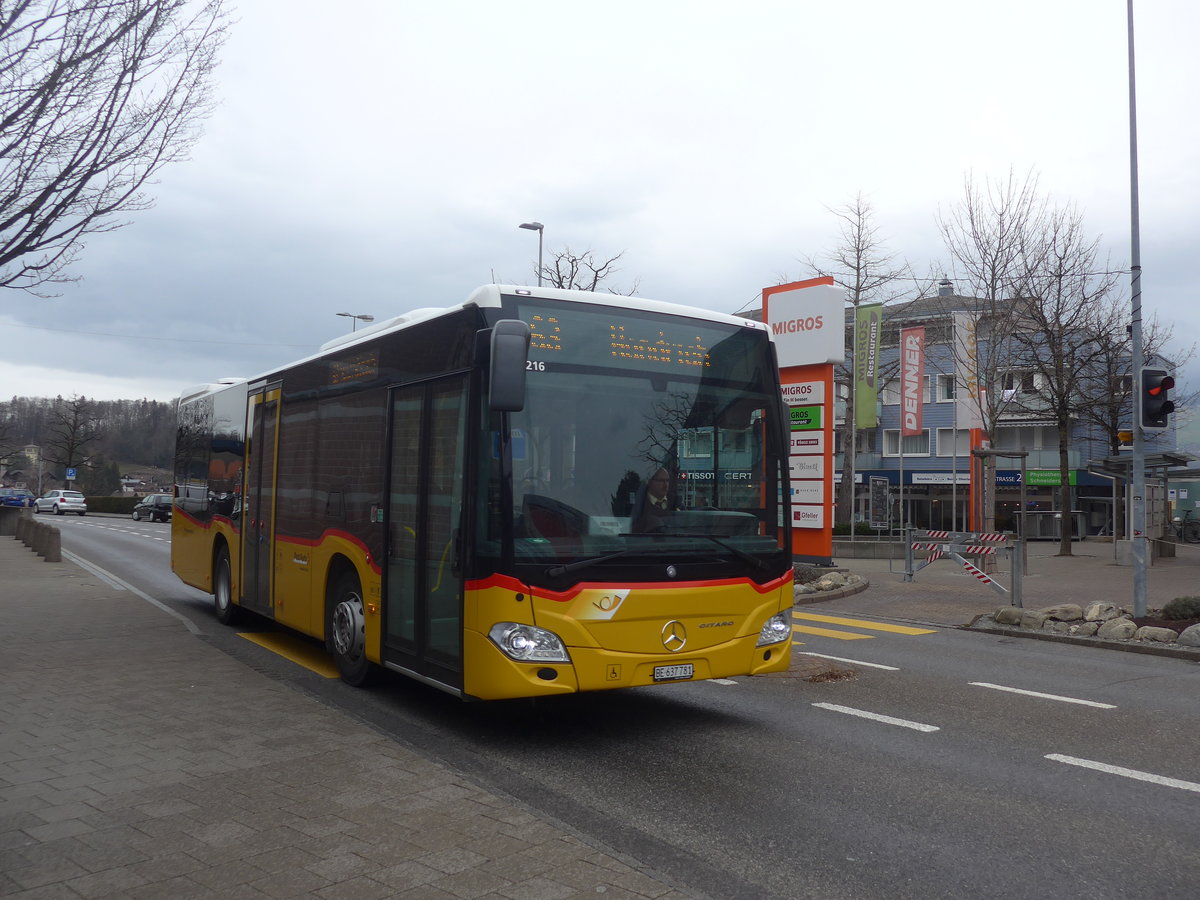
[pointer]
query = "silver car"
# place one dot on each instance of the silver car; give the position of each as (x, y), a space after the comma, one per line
(59, 502)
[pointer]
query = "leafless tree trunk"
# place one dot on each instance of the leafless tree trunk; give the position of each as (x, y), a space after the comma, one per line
(862, 264)
(582, 271)
(96, 96)
(71, 432)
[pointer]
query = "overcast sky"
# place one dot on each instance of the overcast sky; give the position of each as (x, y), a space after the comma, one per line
(380, 161)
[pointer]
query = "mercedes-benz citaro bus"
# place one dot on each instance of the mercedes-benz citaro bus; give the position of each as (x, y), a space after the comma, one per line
(534, 492)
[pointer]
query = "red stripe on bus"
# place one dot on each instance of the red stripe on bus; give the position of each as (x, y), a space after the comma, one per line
(507, 581)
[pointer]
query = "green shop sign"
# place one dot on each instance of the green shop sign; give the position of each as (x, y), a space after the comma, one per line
(1049, 477)
(805, 417)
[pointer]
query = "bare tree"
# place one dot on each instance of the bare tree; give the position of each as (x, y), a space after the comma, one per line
(870, 273)
(1112, 398)
(71, 434)
(96, 96)
(1063, 319)
(987, 235)
(582, 271)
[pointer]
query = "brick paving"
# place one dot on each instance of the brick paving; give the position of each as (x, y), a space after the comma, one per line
(138, 761)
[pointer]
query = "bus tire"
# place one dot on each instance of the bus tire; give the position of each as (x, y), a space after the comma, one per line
(223, 605)
(347, 630)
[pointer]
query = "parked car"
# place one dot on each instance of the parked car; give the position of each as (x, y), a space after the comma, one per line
(16, 497)
(59, 502)
(155, 507)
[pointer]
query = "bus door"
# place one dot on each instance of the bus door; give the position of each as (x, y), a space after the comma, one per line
(258, 513)
(423, 612)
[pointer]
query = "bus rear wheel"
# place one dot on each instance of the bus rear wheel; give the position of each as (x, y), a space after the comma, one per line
(223, 589)
(347, 630)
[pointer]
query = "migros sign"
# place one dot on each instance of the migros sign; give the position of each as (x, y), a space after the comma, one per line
(791, 326)
(807, 323)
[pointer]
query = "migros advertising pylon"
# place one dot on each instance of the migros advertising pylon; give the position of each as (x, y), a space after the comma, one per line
(807, 323)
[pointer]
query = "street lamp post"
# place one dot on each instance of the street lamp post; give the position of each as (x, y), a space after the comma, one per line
(355, 319)
(536, 226)
(1139, 539)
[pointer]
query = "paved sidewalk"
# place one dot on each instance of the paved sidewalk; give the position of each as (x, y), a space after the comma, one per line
(944, 594)
(136, 760)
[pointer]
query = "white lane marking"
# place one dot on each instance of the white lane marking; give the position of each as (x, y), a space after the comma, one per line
(887, 720)
(1013, 690)
(723, 681)
(1125, 773)
(121, 583)
(856, 662)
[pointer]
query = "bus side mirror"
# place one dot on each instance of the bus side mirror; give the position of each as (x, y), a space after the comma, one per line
(509, 357)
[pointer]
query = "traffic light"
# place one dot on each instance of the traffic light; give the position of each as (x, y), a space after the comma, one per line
(1154, 406)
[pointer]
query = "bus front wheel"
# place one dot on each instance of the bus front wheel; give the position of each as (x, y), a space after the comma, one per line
(348, 630)
(223, 589)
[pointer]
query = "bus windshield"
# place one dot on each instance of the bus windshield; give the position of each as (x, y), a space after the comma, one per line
(627, 462)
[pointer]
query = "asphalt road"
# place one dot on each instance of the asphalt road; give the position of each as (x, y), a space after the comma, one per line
(941, 764)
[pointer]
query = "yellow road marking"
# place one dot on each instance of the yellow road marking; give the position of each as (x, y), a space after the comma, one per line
(861, 623)
(294, 648)
(829, 632)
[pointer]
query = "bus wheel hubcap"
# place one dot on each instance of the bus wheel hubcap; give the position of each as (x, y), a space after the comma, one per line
(348, 627)
(223, 589)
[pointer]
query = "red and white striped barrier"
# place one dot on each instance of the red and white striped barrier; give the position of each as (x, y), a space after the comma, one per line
(979, 550)
(986, 579)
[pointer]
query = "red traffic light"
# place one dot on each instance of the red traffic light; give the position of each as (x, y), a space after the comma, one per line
(1154, 405)
(1164, 384)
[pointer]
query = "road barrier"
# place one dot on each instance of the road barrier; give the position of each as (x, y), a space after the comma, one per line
(45, 540)
(958, 545)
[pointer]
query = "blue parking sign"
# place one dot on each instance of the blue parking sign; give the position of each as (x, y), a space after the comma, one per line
(70, 474)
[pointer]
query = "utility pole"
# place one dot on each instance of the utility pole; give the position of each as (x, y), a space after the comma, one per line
(1138, 537)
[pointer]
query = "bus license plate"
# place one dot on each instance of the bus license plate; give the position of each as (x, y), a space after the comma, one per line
(673, 673)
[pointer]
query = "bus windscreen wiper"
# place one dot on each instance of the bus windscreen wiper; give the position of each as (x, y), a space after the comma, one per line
(555, 571)
(740, 554)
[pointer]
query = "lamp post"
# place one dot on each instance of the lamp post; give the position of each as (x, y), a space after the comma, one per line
(355, 319)
(536, 226)
(1139, 539)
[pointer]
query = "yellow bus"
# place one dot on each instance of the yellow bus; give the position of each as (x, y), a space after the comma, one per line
(533, 492)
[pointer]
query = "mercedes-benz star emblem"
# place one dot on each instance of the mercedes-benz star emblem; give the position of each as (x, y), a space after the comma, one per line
(674, 636)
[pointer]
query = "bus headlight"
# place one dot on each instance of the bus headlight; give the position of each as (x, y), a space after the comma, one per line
(525, 643)
(775, 629)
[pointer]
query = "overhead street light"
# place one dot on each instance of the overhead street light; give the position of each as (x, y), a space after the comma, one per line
(536, 226)
(364, 317)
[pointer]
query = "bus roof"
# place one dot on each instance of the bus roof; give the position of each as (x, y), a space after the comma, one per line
(487, 296)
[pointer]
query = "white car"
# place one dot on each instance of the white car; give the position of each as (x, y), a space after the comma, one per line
(59, 502)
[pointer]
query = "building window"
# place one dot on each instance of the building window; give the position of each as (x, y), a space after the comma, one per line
(1026, 437)
(864, 438)
(1018, 381)
(915, 445)
(890, 395)
(945, 442)
(696, 443)
(945, 388)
